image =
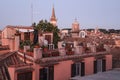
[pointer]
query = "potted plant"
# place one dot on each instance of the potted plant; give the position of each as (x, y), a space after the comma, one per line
(29, 52)
(37, 45)
(69, 52)
(45, 48)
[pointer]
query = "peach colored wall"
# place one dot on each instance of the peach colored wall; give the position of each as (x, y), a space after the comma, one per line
(22, 36)
(36, 71)
(5, 41)
(31, 36)
(11, 44)
(7, 33)
(13, 75)
(108, 62)
(17, 42)
(89, 65)
(10, 32)
(62, 71)
(4, 33)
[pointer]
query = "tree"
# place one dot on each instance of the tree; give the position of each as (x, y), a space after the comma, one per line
(56, 38)
(104, 31)
(45, 26)
(111, 31)
(90, 29)
(35, 39)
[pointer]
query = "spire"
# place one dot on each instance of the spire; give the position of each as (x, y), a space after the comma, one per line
(53, 19)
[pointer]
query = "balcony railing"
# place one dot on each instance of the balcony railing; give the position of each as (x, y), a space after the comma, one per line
(61, 53)
(52, 53)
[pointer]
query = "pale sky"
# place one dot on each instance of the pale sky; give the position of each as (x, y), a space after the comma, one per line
(89, 13)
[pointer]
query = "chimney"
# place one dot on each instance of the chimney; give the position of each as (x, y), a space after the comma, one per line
(37, 53)
(78, 50)
(17, 42)
(26, 48)
(93, 48)
(61, 48)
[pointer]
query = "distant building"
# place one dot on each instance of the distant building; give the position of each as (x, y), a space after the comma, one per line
(75, 26)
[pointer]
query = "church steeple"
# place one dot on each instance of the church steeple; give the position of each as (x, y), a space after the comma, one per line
(53, 19)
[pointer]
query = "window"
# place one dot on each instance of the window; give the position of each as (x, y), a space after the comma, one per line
(48, 38)
(78, 69)
(25, 76)
(47, 73)
(99, 65)
(27, 36)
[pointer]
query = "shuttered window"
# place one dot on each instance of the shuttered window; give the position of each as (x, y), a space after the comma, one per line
(99, 65)
(78, 69)
(47, 73)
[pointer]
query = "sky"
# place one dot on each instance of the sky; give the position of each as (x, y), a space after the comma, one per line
(89, 13)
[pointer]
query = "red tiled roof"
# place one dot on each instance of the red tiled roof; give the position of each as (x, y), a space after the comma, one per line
(20, 27)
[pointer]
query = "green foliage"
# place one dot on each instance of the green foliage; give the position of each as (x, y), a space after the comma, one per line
(25, 43)
(56, 38)
(104, 31)
(45, 26)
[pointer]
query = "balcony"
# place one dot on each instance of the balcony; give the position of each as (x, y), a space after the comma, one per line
(61, 54)
(50, 53)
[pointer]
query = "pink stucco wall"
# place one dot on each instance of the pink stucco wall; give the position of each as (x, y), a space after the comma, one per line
(5, 41)
(108, 62)
(62, 71)
(11, 44)
(31, 36)
(22, 36)
(36, 71)
(13, 75)
(89, 65)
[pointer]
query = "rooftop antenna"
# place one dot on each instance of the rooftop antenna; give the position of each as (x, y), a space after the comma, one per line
(31, 12)
(75, 19)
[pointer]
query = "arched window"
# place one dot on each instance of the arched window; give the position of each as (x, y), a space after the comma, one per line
(82, 34)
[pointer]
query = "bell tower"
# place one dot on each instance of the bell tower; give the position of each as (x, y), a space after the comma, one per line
(53, 19)
(75, 26)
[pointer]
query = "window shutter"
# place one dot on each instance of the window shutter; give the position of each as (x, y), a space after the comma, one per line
(73, 70)
(95, 66)
(82, 68)
(103, 65)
